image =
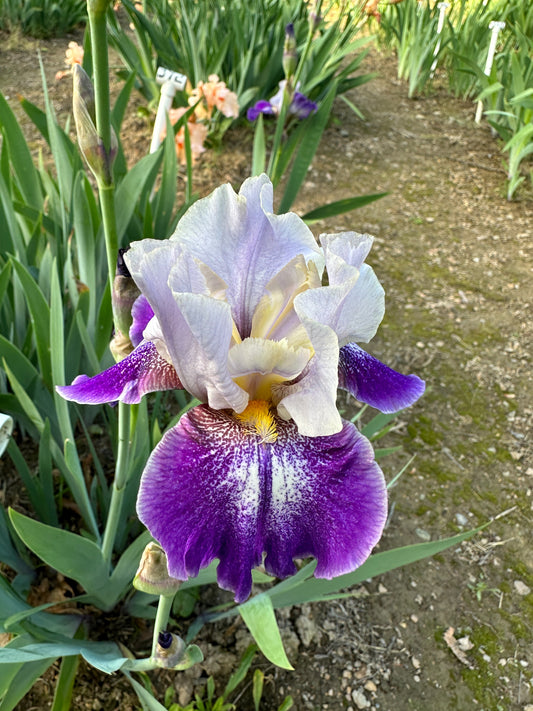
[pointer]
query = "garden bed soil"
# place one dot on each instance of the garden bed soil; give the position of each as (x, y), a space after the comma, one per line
(456, 260)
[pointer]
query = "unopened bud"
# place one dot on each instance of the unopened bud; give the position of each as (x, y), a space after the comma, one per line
(91, 145)
(170, 650)
(290, 57)
(124, 294)
(152, 576)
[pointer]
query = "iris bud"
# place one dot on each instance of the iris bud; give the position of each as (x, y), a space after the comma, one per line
(125, 292)
(91, 145)
(170, 650)
(152, 576)
(290, 58)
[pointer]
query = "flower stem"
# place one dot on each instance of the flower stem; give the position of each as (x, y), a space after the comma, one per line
(127, 415)
(161, 619)
(127, 419)
(278, 136)
(97, 10)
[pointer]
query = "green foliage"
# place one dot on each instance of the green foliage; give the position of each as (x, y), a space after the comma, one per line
(329, 56)
(410, 29)
(42, 18)
(513, 119)
(198, 39)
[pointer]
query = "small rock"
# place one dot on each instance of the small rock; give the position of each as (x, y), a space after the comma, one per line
(382, 588)
(465, 644)
(370, 686)
(461, 519)
(307, 629)
(424, 535)
(360, 699)
(521, 588)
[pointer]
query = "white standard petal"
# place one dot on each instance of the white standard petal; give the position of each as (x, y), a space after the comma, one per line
(275, 316)
(239, 238)
(353, 304)
(202, 347)
(193, 331)
(343, 251)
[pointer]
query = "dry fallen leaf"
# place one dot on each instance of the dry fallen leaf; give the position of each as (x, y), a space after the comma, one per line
(455, 648)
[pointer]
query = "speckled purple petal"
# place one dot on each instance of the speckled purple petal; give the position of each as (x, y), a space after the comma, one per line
(142, 313)
(371, 381)
(213, 490)
(143, 371)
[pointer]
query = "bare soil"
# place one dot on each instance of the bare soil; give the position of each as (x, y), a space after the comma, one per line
(456, 261)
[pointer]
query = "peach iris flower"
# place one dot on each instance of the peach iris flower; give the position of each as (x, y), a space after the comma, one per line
(216, 95)
(73, 55)
(197, 133)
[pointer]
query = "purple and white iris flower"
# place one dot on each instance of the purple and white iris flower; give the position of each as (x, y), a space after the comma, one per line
(232, 309)
(300, 105)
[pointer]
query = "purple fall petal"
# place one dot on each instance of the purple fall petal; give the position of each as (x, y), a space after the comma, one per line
(371, 381)
(260, 107)
(143, 371)
(211, 489)
(301, 106)
(142, 313)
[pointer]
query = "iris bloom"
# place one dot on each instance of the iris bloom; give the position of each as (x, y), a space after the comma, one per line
(300, 105)
(215, 94)
(197, 135)
(232, 309)
(73, 55)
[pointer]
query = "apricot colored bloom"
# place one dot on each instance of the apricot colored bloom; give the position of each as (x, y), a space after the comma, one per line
(73, 55)
(197, 134)
(216, 95)
(232, 309)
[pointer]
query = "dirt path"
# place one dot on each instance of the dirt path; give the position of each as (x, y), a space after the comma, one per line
(456, 261)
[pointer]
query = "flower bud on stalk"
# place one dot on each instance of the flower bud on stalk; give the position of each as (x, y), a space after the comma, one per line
(170, 650)
(98, 159)
(152, 575)
(290, 57)
(125, 292)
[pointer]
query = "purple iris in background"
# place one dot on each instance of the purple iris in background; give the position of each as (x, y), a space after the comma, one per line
(232, 309)
(300, 105)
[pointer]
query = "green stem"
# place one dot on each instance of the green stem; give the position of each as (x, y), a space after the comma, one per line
(290, 88)
(161, 619)
(127, 415)
(107, 204)
(97, 23)
(307, 47)
(97, 10)
(127, 419)
(278, 136)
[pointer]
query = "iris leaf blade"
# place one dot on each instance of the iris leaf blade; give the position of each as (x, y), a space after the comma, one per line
(260, 618)
(316, 589)
(70, 554)
(340, 206)
(40, 319)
